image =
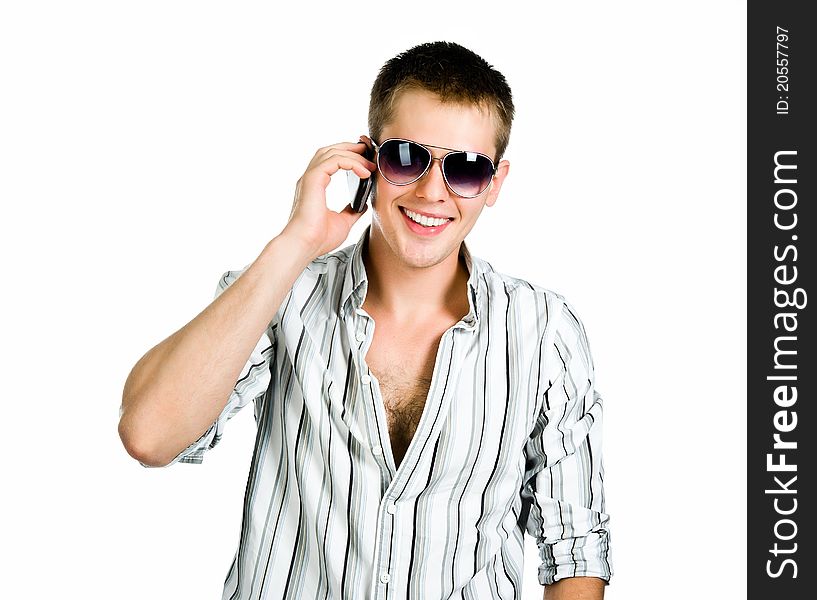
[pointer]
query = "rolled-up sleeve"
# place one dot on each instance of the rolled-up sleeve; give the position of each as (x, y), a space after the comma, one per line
(250, 386)
(564, 479)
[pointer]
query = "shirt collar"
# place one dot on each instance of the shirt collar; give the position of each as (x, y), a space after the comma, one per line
(355, 280)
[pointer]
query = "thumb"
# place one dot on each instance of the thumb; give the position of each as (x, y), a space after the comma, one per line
(350, 216)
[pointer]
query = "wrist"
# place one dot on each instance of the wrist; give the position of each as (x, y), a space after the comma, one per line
(288, 250)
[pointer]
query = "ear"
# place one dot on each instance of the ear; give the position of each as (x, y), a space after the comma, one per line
(496, 182)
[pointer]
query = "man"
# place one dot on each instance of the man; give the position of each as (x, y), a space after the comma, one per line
(417, 411)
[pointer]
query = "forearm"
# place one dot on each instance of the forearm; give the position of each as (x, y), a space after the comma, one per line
(576, 588)
(179, 387)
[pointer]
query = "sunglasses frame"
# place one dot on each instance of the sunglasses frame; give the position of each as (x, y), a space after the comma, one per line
(431, 162)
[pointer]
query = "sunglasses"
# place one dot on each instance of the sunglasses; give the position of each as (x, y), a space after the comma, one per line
(402, 162)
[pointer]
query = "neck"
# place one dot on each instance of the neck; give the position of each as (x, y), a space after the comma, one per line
(408, 294)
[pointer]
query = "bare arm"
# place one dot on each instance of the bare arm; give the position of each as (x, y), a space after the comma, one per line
(179, 387)
(576, 588)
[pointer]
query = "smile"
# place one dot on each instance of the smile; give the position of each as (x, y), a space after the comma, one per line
(423, 220)
(422, 224)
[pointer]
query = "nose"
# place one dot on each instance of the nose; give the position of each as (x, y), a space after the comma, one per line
(431, 186)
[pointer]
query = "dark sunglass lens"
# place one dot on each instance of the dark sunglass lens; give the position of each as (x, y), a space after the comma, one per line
(468, 173)
(401, 161)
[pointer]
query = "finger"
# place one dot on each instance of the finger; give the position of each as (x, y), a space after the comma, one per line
(349, 159)
(352, 158)
(355, 147)
(358, 148)
(335, 162)
(350, 145)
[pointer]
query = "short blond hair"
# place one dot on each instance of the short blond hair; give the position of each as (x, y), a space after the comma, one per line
(452, 72)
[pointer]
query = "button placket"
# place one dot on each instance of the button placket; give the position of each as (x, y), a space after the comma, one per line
(383, 553)
(371, 394)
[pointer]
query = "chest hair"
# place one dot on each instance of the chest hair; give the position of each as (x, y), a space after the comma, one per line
(404, 388)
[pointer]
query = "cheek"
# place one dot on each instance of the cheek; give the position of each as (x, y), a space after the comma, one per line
(383, 190)
(470, 214)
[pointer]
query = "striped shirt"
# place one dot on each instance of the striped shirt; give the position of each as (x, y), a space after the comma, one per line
(509, 441)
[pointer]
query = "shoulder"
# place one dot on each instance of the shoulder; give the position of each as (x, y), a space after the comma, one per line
(323, 276)
(321, 286)
(319, 282)
(549, 307)
(330, 264)
(511, 284)
(518, 291)
(326, 268)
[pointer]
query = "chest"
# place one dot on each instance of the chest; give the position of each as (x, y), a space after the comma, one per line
(403, 363)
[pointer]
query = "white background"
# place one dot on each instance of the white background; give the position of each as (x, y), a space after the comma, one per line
(146, 148)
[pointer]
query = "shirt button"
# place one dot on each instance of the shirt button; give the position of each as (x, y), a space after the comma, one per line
(366, 379)
(391, 508)
(360, 337)
(377, 451)
(385, 578)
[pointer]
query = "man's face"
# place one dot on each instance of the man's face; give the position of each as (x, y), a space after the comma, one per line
(419, 116)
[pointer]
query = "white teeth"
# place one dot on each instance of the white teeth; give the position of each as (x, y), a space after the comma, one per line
(423, 220)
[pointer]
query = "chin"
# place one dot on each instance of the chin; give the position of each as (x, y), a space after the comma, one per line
(411, 250)
(424, 257)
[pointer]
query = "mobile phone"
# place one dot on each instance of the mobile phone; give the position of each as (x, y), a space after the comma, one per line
(361, 188)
